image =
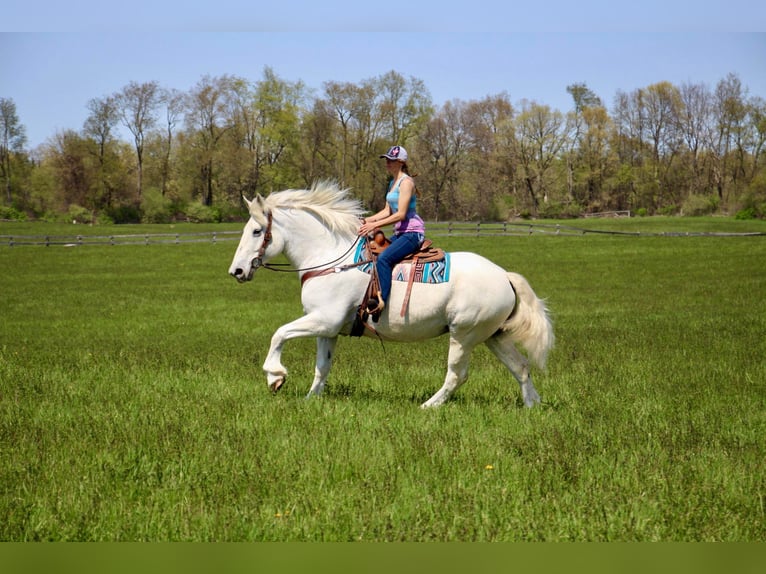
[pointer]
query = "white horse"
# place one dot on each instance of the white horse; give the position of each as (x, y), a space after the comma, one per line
(481, 302)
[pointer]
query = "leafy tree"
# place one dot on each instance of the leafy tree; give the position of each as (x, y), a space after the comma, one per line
(583, 99)
(317, 147)
(596, 159)
(541, 134)
(659, 148)
(209, 116)
(277, 104)
(69, 156)
(487, 170)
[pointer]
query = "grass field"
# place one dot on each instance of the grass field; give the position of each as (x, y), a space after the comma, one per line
(133, 406)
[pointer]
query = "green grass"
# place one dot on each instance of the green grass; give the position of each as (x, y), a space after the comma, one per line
(133, 406)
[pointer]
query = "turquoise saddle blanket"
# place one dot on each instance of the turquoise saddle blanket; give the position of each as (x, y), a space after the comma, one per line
(432, 272)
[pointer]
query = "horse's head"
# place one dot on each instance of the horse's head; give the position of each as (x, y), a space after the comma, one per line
(258, 242)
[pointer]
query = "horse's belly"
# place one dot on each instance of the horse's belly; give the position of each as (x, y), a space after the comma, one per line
(478, 294)
(425, 316)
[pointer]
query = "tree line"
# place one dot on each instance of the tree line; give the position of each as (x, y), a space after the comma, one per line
(155, 154)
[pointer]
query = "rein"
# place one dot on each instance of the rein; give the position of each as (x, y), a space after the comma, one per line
(325, 267)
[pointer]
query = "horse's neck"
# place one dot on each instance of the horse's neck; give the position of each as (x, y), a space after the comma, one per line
(309, 243)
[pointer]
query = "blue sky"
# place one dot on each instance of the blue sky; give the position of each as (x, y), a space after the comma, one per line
(52, 64)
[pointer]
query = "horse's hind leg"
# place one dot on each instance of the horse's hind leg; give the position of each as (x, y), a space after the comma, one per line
(503, 348)
(325, 354)
(457, 372)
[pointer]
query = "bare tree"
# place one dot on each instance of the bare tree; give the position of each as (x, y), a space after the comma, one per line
(99, 125)
(442, 144)
(729, 113)
(12, 139)
(756, 111)
(695, 126)
(404, 104)
(662, 103)
(174, 102)
(138, 104)
(341, 99)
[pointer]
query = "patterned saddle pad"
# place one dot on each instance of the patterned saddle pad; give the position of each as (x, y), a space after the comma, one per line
(432, 272)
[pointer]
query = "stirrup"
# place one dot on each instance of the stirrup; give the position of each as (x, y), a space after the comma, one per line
(375, 307)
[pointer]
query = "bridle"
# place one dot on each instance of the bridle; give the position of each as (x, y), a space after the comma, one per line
(326, 267)
(267, 238)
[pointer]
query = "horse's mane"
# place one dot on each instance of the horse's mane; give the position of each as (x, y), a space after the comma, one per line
(326, 200)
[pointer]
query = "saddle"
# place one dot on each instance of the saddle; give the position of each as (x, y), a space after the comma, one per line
(375, 246)
(426, 254)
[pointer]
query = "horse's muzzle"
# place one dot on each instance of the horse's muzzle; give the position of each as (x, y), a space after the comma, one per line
(241, 276)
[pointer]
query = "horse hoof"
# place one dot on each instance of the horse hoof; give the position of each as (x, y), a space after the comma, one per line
(277, 384)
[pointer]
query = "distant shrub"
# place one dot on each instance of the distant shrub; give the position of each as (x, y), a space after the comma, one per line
(753, 205)
(525, 214)
(12, 214)
(668, 210)
(198, 213)
(560, 211)
(695, 205)
(125, 214)
(104, 219)
(156, 208)
(642, 212)
(747, 213)
(78, 214)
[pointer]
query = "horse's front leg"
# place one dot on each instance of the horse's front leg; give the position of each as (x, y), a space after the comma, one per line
(310, 325)
(325, 354)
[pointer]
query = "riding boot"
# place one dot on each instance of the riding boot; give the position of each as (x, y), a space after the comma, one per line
(375, 306)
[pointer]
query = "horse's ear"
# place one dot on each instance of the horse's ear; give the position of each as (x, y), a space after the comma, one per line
(260, 201)
(247, 202)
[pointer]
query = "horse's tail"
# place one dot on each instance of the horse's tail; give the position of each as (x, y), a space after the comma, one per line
(530, 324)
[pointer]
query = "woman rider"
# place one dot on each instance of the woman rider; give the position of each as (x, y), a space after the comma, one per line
(400, 210)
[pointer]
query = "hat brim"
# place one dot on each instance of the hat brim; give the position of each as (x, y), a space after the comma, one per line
(391, 158)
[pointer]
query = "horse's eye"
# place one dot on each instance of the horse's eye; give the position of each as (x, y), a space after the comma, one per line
(257, 232)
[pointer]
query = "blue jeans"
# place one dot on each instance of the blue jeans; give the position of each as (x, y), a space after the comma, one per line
(401, 246)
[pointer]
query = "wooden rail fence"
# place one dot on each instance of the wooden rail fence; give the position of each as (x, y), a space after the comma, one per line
(434, 229)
